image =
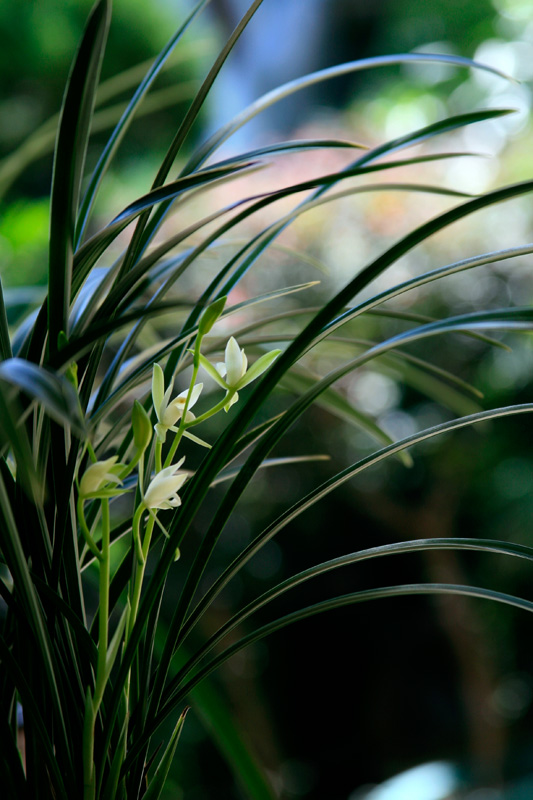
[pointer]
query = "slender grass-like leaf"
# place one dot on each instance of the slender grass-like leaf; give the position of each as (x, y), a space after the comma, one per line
(110, 789)
(54, 392)
(346, 600)
(228, 474)
(157, 783)
(295, 146)
(125, 284)
(139, 240)
(87, 255)
(14, 436)
(407, 365)
(5, 341)
(125, 120)
(398, 548)
(69, 160)
(281, 92)
(336, 404)
(333, 483)
(330, 605)
(411, 317)
(265, 199)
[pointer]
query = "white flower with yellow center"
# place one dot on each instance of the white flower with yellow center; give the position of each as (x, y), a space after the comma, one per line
(168, 411)
(163, 489)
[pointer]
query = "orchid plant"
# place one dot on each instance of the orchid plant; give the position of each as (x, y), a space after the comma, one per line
(93, 432)
(103, 480)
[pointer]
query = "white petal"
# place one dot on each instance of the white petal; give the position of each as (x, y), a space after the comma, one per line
(195, 394)
(173, 412)
(236, 362)
(163, 488)
(233, 400)
(162, 408)
(97, 475)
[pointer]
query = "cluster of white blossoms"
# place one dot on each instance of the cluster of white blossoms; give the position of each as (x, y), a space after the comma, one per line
(104, 479)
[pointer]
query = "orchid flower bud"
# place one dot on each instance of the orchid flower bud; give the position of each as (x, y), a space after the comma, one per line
(210, 316)
(142, 427)
(97, 476)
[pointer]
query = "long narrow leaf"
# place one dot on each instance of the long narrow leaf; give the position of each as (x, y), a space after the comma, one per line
(333, 483)
(157, 783)
(139, 240)
(340, 602)
(89, 253)
(322, 607)
(281, 92)
(5, 341)
(398, 548)
(52, 391)
(125, 120)
(69, 160)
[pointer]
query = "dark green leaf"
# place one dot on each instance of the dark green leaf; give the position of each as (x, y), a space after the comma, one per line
(157, 783)
(125, 121)
(5, 341)
(281, 92)
(51, 390)
(69, 161)
(336, 404)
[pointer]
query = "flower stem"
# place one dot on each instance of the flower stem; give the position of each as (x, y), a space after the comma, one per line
(212, 411)
(92, 704)
(141, 551)
(158, 451)
(103, 610)
(183, 425)
(91, 544)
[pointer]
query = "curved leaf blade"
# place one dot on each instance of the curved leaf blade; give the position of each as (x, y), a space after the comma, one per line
(69, 161)
(53, 391)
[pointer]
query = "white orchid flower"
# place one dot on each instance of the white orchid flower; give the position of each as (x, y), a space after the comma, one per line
(168, 411)
(235, 363)
(233, 373)
(163, 489)
(97, 476)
